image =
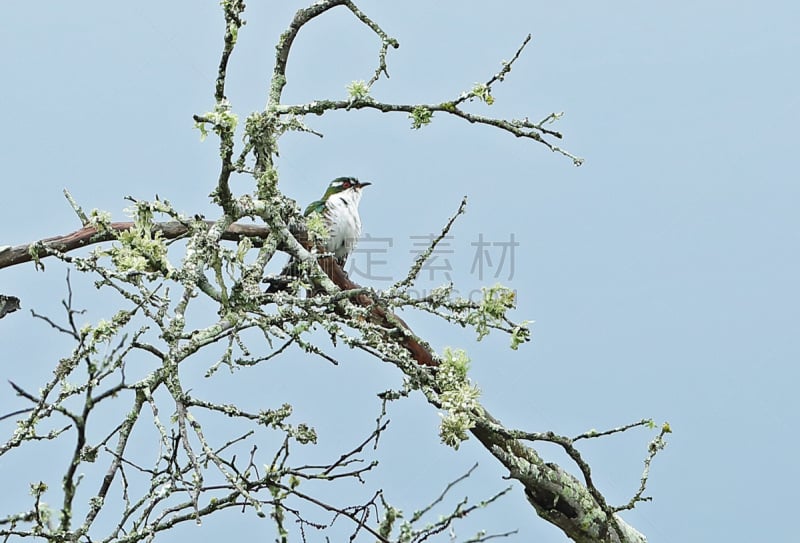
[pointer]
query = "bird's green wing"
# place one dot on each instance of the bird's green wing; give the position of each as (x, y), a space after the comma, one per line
(318, 206)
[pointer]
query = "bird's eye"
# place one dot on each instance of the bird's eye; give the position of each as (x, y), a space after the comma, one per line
(346, 184)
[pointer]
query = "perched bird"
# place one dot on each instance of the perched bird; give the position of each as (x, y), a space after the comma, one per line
(339, 209)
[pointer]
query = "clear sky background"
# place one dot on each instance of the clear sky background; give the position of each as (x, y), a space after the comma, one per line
(662, 274)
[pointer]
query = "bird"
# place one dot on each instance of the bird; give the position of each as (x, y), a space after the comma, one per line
(339, 210)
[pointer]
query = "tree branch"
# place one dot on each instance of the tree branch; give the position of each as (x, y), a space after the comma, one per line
(521, 128)
(91, 235)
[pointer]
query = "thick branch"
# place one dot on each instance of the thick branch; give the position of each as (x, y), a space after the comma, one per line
(12, 256)
(556, 495)
(379, 315)
(84, 237)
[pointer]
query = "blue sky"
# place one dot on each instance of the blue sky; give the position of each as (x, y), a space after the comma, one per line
(661, 274)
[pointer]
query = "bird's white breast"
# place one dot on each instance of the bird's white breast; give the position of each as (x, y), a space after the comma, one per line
(344, 224)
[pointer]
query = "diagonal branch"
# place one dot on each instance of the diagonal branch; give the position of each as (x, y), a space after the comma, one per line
(171, 230)
(499, 76)
(556, 495)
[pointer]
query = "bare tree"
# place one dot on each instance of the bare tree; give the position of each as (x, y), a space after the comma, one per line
(188, 288)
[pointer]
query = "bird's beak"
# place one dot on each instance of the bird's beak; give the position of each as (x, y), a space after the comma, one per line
(364, 184)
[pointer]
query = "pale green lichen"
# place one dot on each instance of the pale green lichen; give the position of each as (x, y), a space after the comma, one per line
(390, 515)
(242, 248)
(304, 434)
(458, 397)
(141, 248)
(491, 313)
(103, 331)
(100, 219)
(33, 251)
(317, 229)
(37, 489)
(233, 29)
(520, 334)
(275, 417)
(358, 90)
(222, 119)
(89, 454)
(267, 183)
(420, 116)
(483, 93)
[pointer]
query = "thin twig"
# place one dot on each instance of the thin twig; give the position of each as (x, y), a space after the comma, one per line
(499, 76)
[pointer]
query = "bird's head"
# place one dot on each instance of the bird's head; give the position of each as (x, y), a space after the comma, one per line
(342, 184)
